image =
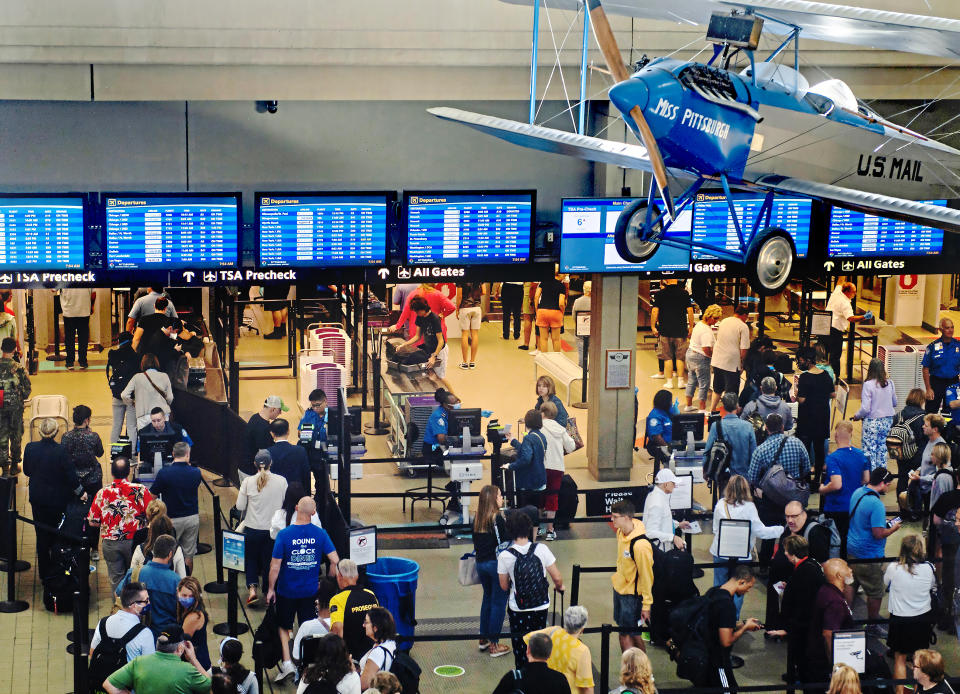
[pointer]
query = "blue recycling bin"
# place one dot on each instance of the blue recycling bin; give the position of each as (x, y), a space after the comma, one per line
(394, 581)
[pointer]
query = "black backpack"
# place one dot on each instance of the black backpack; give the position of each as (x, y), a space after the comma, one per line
(109, 656)
(406, 670)
(673, 575)
(530, 583)
(718, 457)
(690, 639)
(269, 650)
(122, 366)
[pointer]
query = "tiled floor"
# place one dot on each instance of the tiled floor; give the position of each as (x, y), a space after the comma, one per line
(32, 644)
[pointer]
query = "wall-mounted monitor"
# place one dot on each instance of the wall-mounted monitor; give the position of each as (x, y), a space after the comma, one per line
(854, 234)
(322, 229)
(586, 239)
(42, 232)
(162, 231)
(713, 224)
(469, 227)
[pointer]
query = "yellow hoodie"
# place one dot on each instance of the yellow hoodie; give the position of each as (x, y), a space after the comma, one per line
(634, 574)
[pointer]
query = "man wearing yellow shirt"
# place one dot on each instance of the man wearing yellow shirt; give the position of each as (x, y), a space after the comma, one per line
(633, 580)
(570, 656)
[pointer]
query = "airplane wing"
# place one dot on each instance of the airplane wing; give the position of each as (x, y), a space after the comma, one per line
(551, 140)
(896, 31)
(871, 203)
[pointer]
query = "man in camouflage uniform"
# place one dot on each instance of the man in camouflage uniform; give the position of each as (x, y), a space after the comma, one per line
(16, 389)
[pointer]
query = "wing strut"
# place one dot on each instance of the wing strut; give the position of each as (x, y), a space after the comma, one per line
(611, 54)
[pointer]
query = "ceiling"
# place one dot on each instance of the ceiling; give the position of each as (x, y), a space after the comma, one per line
(427, 50)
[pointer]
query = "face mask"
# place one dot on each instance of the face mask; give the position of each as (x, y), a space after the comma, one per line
(187, 602)
(457, 406)
(145, 611)
(173, 336)
(848, 580)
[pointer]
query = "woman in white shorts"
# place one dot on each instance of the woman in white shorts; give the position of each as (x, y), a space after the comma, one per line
(469, 313)
(698, 357)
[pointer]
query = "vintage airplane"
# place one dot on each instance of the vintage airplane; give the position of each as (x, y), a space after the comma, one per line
(764, 128)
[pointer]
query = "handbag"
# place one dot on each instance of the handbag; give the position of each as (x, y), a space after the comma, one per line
(779, 488)
(467, 570)
(574, 433)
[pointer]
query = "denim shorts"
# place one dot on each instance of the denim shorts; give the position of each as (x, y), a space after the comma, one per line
(626, 611)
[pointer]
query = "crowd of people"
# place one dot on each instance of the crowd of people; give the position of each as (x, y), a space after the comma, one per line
(816, 560)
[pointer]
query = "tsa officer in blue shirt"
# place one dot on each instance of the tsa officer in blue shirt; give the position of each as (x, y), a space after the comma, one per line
(941, 365)
(315, 439)
(659, 430)
(436, 432)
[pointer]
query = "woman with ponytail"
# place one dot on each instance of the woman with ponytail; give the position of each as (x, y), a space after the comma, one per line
(260, 496)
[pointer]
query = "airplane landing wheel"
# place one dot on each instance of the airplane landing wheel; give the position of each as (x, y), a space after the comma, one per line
(630, 239)
(769, 261)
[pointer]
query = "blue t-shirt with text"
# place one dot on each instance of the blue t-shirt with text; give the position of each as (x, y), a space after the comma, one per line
(869, 514)
(659, 422)
(301, 547)
(849, 463)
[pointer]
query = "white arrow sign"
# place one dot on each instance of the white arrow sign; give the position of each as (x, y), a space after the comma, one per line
(828, 266)
(188, 276)
(384, 273)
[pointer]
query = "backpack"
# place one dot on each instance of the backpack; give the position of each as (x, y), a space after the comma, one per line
(530, 582)
(690, 640)
(268, 650)
(320, 687)
(759, 427)
(658, 561)
(110, 655)
(779, 488)
(406, 670)
(122, 366)
(673, 575)
(718, 457)
(901, 441)
(10, 395)
(830, 525)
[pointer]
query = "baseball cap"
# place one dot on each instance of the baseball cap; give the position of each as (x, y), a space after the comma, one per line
(880, 475)
(275, 401)
(664, 476)
(173, 633)
(262, 457)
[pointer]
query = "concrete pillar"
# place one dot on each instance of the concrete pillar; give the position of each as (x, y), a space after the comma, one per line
(613, 325)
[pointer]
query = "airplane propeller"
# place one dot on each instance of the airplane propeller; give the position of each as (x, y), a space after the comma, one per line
(611, 53)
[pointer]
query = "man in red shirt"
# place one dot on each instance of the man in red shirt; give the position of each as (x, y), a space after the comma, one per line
(439, 304)
(119, 510)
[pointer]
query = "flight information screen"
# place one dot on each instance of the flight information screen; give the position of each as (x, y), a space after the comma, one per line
(468, 228)
(164, 232)
(713, 224)
(41, 233)
(322, 230)
(586, 239)
(853, 234)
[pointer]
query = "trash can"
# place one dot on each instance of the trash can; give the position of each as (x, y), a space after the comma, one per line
(394, 581)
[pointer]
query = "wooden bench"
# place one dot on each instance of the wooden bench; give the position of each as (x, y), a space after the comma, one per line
(559, 367)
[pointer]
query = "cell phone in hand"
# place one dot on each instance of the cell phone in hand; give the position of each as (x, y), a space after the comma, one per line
(893, 521)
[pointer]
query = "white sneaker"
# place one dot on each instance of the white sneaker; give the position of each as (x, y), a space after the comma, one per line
(657, 376)
(668, 384)
(690, 408)
(534, 352)
(681, 383)
(286, 670)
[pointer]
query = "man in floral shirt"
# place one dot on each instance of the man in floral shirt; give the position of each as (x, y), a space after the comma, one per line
(119, 510)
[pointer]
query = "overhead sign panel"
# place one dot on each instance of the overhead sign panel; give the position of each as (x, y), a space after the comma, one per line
(586, 239)
(322, 229)
(713, 224)
(167, 231)
(41, 232)
(855, 234)
(469, 228)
